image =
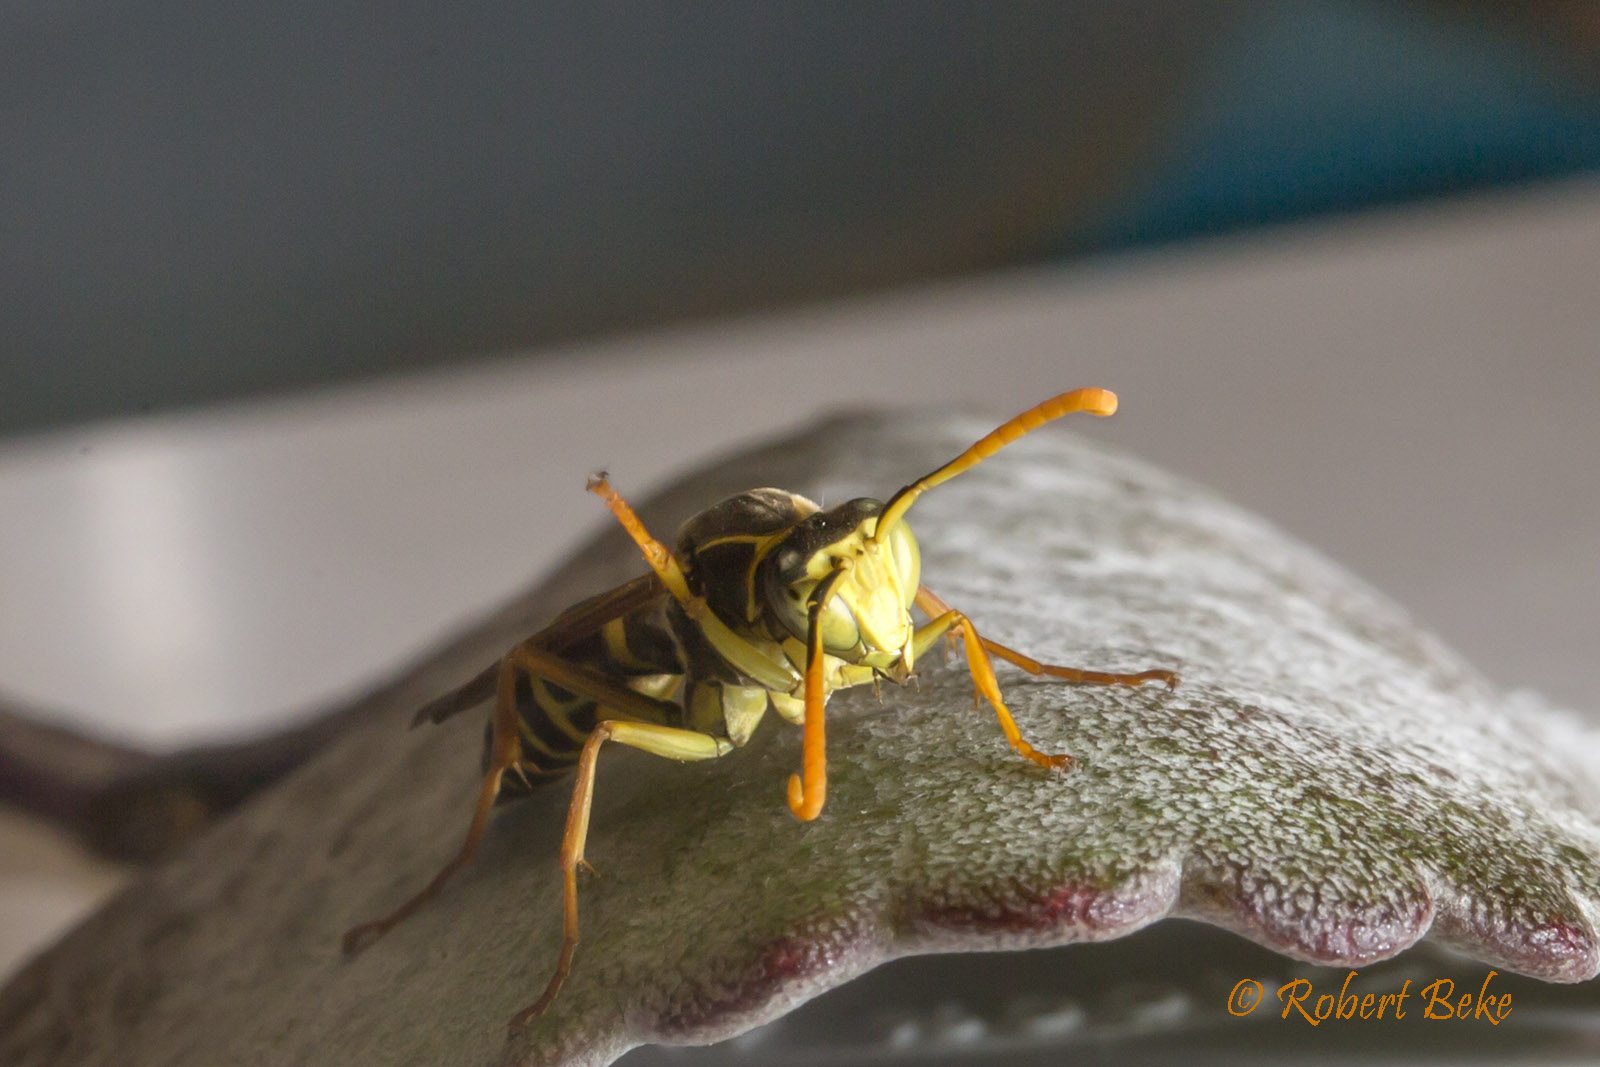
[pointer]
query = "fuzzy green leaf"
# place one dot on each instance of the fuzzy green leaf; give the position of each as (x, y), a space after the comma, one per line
(1327, 781)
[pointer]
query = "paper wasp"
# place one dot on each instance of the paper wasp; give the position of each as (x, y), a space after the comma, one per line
(768, 599)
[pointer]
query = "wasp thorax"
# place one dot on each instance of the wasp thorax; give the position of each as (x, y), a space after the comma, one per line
(867, 617)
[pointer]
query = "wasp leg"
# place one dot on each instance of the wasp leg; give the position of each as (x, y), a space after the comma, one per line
(1077, 675)
(665, 741)
(505, 753)
(930, 603)
(983, 678)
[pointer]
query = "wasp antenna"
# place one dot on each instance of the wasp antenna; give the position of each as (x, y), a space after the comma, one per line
(808, 793)
(1094, 401)
(655, 553)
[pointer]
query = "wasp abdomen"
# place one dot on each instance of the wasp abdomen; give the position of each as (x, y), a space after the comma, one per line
(638, 649)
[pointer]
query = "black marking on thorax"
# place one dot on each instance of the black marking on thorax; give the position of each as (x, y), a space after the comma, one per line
(721, 547)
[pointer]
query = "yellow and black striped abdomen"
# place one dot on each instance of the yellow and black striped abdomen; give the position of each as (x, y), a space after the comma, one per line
(637, 649)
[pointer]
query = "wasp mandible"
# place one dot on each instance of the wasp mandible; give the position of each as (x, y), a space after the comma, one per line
(767, 600)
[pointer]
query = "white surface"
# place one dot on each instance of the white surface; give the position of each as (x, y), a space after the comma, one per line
(1415, 393)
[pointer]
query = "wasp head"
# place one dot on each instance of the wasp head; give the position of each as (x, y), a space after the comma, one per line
(867, 618)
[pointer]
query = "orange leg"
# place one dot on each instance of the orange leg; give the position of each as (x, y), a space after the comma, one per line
(946, 622)
(983, 678)
(572, 842)
(665, 741)
(504, 754)
(1077, 675)
(930, 603)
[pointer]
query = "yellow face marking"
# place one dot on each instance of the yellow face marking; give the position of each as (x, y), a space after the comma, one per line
(871, 590)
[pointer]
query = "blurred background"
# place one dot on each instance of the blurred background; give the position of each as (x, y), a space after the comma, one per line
(314, 322)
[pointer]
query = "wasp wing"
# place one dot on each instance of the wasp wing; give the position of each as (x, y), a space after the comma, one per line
(570, 627)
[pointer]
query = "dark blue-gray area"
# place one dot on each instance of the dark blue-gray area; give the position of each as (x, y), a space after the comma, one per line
(1315, 106)
(200, 202)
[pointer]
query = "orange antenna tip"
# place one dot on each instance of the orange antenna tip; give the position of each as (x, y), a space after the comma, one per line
(1091, 399)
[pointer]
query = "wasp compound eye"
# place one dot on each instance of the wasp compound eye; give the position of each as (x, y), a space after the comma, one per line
(839, 630)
